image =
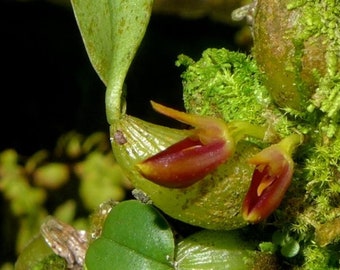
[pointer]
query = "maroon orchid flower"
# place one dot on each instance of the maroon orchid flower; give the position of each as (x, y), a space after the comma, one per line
(271, 179)
(211, 143)
(189, 160)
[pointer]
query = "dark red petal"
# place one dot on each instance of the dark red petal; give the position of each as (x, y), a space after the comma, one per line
(184, 163)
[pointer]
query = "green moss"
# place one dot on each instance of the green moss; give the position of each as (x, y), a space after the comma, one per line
(319, 26)
(323, 172)
(229, 85)
(224, 84)
(319, 258)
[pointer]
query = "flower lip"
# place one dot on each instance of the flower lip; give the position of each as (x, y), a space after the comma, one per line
(271, 178)
(267, 188)
(187, 161)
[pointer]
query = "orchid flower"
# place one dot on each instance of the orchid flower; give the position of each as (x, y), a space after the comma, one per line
(211, 143)
(271, 179)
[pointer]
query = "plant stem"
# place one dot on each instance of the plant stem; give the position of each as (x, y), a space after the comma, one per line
(290, 143)
(113, 98)
(240, 129)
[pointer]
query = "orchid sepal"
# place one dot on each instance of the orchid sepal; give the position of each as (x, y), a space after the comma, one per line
(272, 177)
(191, 159)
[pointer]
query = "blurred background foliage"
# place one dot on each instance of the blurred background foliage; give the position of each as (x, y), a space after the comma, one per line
(68, 183)
(55, 157)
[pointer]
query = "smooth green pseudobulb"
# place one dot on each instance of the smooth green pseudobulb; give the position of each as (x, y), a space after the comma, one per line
(296, 44)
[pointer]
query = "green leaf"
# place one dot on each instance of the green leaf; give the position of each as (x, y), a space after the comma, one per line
(37, 255)
(268, 247)
(112, 31)
(221, 250)
(279, 238)
(135, 236)
(290, 248)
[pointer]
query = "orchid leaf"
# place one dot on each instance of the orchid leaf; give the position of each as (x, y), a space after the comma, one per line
(135, 236)
(38, 255)
(112, 31)
(221, 250)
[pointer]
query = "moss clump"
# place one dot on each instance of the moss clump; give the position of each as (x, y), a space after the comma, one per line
(229, 85)
(224, 84)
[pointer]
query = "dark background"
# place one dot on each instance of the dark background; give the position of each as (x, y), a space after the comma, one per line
(48, 86)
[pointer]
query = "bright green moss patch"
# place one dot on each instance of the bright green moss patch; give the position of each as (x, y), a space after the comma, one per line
(225, 84)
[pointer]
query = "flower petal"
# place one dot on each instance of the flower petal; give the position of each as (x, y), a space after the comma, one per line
(184, 163)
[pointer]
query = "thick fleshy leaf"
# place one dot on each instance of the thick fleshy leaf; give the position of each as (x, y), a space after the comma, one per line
(112, 31)
(135, 236)
(214, 203)
(221, 250)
